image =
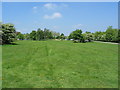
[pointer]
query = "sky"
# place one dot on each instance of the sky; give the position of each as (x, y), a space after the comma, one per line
(60, 0)
(63, 17)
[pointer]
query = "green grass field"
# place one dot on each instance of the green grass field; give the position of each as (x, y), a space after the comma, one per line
(59, 64)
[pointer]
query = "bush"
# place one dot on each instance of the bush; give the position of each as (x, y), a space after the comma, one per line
(76, 41)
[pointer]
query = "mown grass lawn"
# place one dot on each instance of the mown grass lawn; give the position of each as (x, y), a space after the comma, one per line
(59, 64)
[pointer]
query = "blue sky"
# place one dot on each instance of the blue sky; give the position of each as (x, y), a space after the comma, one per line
(63, 17)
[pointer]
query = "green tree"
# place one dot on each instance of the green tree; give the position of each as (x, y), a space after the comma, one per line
(119, 35)
(55, 34)
(62, 36)
(8, 33)
(97, 35)
(47, 34)
(40, 34)
(77, 35)
(88, 36)
(27, 36)
(33, 35)
(115, 35)
(109, 33)
(20, 36)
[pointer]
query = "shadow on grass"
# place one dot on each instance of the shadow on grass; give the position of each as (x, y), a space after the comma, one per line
(10, 44)
(13, 44)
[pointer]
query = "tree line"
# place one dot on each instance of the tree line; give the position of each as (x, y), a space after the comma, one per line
(110, 35)
(40, 35)
(8, 34)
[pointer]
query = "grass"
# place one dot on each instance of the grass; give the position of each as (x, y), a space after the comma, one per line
(0, 66)
(60, 64)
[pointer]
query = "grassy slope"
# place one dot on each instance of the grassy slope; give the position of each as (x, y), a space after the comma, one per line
(57, 64)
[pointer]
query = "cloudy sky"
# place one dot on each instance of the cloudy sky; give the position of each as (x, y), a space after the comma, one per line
(63, 17)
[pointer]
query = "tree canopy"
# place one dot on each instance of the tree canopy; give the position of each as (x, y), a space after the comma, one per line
(77, 35)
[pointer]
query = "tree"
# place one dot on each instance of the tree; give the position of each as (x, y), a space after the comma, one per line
(20, 36)
(62, 36)
(70, 36)
(39, 34)
(58, 37)
(55, 34)
(0, 37)
(115, 37)
(8, 33)
(109, 33)
(88, 36)
(77, 35)
(27, 36)
(47, 34)
(33, 35)
(119, 35)
(112, 35)
(98, 35)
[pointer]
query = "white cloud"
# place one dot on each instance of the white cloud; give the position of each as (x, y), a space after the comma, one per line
(50, 6)
(53, 16)
(35, 7)
(18, 30)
